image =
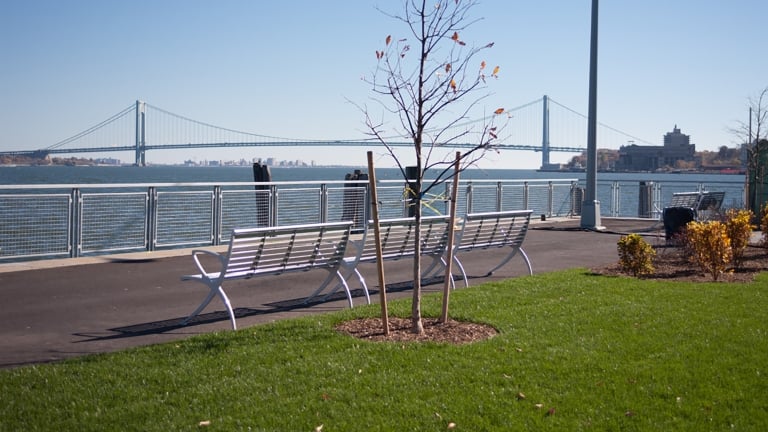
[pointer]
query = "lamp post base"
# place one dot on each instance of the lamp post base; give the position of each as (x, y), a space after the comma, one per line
(590, 216)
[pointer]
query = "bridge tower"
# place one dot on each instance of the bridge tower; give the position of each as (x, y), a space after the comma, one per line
(140, 134)
(545, 134)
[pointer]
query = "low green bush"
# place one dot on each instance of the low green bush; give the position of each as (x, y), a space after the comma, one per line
(738, 225)
(709, 246)
(635, 255)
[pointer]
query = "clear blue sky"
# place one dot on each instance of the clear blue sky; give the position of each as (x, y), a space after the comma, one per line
(288, 68)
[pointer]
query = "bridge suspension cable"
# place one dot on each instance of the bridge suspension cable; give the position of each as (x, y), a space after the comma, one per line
(129, 110)
(600, 124)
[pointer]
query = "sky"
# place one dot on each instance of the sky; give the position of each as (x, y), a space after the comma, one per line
(293, 69)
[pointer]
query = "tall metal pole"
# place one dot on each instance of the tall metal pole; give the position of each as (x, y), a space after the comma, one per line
(590, 215)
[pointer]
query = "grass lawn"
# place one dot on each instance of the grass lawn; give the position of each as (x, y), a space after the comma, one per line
(574, 352)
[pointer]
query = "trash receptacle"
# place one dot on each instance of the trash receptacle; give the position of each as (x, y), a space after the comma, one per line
(675, 219)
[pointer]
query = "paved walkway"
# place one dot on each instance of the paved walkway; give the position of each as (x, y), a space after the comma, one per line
(57, 309)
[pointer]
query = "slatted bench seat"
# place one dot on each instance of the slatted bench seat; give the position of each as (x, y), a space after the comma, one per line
(398, 239)
(273, 251)
(500, 230)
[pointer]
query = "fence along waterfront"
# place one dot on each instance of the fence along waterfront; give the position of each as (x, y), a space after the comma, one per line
(67, 220)
(61, 220)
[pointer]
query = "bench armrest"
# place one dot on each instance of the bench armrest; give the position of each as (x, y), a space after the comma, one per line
(196, 257)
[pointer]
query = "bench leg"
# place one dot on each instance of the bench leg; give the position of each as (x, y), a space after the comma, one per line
(346, 288)
(509, 257)
(361, 279)
(435, 270)
(213, 292)
(342, 283)
(461, 269)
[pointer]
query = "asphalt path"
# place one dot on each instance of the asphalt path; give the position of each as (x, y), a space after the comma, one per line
(57, 309)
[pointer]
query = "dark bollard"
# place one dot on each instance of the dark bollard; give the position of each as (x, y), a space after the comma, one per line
(261, 174)
(413, 174)
(353, 204)
(645, 200)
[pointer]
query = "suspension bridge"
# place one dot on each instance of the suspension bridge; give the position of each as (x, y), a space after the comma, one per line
(542, 125)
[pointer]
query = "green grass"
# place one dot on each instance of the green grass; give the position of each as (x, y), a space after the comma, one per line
(598, 353)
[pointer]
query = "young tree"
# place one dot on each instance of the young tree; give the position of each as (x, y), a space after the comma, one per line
(754, 134)
(429, 82)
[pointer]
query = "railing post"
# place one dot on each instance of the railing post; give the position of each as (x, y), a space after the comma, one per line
(151, 219)
(216, 223)
(657, 210)
(499, 196)
(469, 197)
(525, 195)
(367, 205)
(550, 199)
(323, 203)
(273, 204)
(76, 203)
(616, 198)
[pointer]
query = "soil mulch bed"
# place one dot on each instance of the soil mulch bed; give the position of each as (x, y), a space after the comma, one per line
(453, 332)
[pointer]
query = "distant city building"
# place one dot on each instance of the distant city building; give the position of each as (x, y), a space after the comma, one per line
(677, 148)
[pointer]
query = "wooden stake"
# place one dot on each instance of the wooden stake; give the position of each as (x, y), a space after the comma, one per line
(451, 228)
(377, 237)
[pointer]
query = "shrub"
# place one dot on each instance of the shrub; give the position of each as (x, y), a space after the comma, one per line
(764, 225)
(635, 255)
(739, 228)
(710, 246)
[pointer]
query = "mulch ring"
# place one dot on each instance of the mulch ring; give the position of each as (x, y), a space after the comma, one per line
(453, 332)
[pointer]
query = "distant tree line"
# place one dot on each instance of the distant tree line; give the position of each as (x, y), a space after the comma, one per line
(724, 157)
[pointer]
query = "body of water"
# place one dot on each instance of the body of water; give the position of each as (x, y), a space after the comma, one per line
(17, 175)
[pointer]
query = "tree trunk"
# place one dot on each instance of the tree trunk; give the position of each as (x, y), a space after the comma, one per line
(417, 326)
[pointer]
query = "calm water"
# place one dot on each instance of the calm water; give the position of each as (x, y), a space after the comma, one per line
(177, 174)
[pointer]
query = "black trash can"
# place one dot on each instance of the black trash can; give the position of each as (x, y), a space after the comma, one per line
(675, 219)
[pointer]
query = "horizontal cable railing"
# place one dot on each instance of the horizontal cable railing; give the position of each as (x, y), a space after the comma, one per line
(63, 220)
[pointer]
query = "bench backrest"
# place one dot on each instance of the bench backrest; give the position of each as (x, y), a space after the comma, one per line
(698, 200)
(275, 250)
(494, 229)
(398, 238)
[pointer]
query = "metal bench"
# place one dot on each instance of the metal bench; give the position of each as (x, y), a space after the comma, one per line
(685, 207)
(505, 229)
(273, 251)
(703, 203)
(398, 240)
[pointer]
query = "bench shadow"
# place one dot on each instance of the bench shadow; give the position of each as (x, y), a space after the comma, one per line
(164, 326)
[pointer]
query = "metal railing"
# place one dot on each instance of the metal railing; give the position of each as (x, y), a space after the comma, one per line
(54, 221)
(647, 199)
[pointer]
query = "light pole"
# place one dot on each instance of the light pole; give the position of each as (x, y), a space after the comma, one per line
(590, 211)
